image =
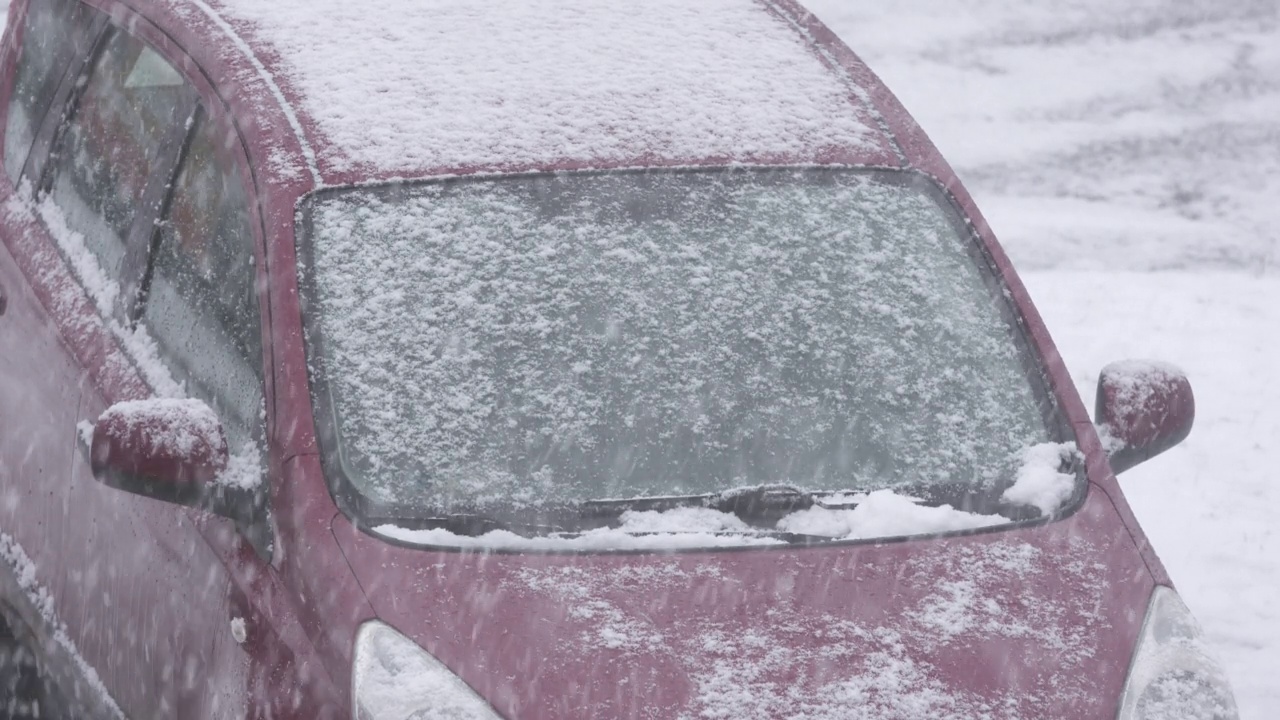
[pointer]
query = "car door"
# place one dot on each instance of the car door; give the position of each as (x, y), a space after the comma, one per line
(143, 598)
(142, 237)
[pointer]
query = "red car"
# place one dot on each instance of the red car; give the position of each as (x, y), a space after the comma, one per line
(538, 359)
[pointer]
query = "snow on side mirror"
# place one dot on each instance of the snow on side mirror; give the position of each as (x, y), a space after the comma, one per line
(171, 450)
(1143, 408)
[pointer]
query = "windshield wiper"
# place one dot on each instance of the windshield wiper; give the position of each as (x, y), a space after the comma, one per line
(758, 503)
(768, 503)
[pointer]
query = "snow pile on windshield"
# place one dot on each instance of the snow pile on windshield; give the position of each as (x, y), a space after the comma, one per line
(884, 513)
(1044, 479)
(405, 85)
(1040, 483)
(572, 337)
(681, 528)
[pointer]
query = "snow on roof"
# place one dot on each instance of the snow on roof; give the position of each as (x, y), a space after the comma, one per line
(405, 86)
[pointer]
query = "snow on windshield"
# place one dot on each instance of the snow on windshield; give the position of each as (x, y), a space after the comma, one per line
(560, 338)
(395, 86)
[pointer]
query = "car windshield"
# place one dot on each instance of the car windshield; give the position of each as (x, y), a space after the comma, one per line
(553, 339)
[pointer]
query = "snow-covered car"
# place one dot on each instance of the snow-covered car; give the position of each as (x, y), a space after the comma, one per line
(538, 359)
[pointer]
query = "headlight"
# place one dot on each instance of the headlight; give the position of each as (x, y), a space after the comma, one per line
(1172, 676)
(394, 679)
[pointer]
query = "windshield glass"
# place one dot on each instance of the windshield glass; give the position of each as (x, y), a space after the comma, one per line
(560, 338)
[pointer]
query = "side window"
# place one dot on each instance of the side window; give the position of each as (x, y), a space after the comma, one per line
(201, 306)
(53, 32)
(115, 142)
(136, 149)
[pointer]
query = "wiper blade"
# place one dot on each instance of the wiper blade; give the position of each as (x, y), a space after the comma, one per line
(760, 502)
(763, 501)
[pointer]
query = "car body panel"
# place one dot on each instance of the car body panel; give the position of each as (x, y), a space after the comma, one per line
(39, 392)
(1032, 622)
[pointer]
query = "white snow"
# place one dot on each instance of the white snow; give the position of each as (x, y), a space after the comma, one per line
(638, 531)
(1208, 505)
(238, 631)
(142, 353)
(881, 514)
(171, 426)
(1041, 481)
(244, 468)
(1136, 381)
(498, 342)
(867, 670)
(401, 86)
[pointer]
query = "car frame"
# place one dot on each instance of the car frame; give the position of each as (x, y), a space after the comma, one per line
(259, 600)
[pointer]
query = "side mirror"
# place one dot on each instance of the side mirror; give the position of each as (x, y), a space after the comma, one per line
(171, 450)
(1143, 408)
(176, 451)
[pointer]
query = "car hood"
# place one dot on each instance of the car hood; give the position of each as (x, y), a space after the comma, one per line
(1030, 622)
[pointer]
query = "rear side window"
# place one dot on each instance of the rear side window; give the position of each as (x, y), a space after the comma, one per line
(131, 105)
(202, 306)
(52, 34)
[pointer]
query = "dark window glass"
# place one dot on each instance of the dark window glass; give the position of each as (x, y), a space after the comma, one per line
(202, 306)
(113, 144)
(51, 37)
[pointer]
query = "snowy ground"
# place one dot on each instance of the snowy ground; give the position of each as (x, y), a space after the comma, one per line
(1128, 156)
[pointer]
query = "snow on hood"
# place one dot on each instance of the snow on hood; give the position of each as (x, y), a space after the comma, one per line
(1034, 623)
(404, 85)
(798, 662)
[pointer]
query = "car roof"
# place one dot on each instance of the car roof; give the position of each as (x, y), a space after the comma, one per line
(384, 89)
